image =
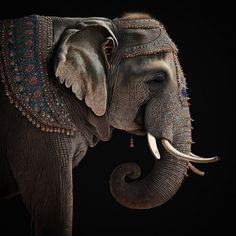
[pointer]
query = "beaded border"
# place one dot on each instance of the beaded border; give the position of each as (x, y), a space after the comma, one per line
(137, 23)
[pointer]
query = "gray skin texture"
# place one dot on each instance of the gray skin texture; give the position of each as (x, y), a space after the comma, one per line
(141, 95)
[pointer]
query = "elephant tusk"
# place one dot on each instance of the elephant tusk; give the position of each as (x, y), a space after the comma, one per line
(186, 157)
(196, 170)
(193, 155)
(153, 145)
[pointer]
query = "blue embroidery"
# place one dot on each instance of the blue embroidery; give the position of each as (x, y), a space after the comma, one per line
(184, 92)
(25, 62)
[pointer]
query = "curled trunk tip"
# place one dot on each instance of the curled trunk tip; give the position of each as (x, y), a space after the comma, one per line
(151, 191)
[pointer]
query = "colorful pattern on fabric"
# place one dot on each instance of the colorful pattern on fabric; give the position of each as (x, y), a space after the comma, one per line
(25, 47)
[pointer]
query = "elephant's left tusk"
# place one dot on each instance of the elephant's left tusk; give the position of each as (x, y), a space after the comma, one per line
(196, 170)
(184, 156)
(153, 145)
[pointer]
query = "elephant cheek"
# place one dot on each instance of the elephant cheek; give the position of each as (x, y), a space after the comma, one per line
(158, 122)
(165, 116)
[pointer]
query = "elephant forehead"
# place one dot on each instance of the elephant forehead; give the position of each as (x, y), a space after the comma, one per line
(150, 65)
(142, 37)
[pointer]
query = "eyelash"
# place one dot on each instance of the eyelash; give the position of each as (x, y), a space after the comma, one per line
(155, 83)
(160, 77)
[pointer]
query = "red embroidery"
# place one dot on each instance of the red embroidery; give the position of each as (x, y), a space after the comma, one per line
(28, 53)
(33, 81)
(37, 94)
(29, 32)
(29, 42)
(29, 68)
(28, 23)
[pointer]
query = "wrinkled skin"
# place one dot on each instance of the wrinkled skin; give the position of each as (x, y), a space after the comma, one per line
(141, 95)
(160, 108)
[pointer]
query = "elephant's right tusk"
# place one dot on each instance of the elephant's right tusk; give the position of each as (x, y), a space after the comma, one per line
(153, 145)
(184, 156)
(193, 155)
(196, 170)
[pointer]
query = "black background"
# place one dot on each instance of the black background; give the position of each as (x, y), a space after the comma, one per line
(204, 36)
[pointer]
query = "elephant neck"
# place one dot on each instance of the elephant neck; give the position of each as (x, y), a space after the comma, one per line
(93, 128)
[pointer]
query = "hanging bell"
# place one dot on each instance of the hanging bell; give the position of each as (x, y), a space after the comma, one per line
(131, 145)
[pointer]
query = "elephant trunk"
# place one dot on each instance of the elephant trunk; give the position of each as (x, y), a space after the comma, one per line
(157, 187)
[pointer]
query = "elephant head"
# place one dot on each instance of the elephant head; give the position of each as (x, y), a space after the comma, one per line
(127, 71)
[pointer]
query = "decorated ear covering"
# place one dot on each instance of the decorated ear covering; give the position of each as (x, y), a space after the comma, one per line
(80, 61)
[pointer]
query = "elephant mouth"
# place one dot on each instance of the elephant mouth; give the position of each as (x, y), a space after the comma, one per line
(190, 157)
(137, 131)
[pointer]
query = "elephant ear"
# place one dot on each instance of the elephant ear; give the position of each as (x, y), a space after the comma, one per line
(82, 59)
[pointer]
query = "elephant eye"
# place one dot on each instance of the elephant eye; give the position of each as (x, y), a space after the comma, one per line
(157, 81)
(160, 77)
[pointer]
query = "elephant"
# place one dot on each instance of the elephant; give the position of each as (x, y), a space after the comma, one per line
(66, 84)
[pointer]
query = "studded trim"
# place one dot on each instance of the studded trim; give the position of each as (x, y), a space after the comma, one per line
(162, 43)
(183, 96)
(25, 46)
(137, 23)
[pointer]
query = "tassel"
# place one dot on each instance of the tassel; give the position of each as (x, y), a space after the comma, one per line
(131, 142)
